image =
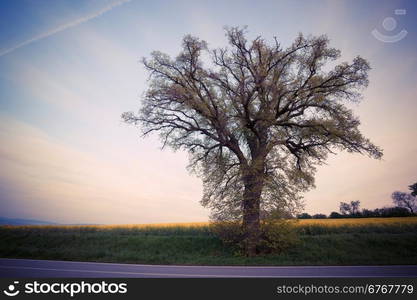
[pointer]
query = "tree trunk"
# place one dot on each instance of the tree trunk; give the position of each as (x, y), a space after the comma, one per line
(251, 212)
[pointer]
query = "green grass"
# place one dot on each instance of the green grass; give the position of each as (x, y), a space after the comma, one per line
(366, 243)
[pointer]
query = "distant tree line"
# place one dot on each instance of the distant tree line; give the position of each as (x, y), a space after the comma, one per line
(405, 206)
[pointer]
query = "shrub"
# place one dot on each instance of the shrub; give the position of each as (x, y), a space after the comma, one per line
(367, 213)
(276, 236)
(304, 216)
(229, 232)
(319, 216)
(392, 212)
(335, 215)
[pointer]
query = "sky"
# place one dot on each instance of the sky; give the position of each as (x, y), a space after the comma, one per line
(69, 69)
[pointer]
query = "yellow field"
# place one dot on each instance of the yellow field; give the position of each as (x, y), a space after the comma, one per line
(121, 226)
(190, 224)
(358, 221)
(302, 222)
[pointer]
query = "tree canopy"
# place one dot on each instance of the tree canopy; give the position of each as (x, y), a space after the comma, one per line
(405, 200)
(413, 189)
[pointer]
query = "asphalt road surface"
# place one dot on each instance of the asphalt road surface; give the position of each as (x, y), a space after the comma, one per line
(47, 268)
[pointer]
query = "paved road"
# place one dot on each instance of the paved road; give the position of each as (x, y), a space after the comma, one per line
(49, 268)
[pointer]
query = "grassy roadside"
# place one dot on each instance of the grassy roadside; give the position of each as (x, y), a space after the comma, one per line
(335, 242)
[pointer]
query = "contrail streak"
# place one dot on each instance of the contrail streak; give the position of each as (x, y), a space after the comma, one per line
(65, 26)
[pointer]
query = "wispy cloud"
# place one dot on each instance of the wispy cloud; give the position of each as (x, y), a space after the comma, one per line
(65, 26)
(59, 182)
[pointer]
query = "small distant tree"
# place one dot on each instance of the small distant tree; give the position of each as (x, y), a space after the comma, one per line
(355, 207)
(413, 189)
(405, 200)
(319, 216)
(350, 209)
(345, 208)
(304, 216)
(335, 215)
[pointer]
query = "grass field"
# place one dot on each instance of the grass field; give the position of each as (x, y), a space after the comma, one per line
(369, 241)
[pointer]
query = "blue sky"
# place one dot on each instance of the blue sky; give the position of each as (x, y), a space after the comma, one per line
(68, 69)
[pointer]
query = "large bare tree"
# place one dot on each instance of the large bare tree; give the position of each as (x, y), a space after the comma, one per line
(256, 118)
